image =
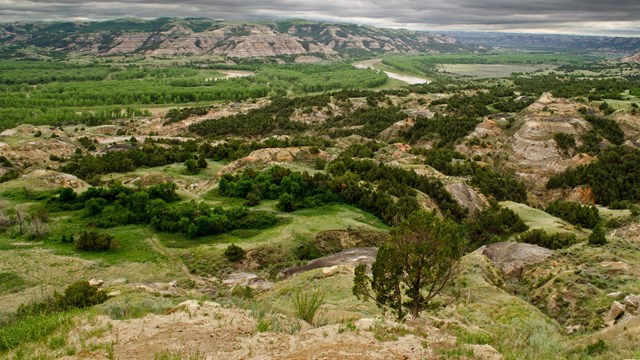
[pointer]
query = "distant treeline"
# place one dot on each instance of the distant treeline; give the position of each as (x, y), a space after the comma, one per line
(59, 93)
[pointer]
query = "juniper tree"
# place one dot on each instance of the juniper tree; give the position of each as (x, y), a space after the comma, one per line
(414, 266)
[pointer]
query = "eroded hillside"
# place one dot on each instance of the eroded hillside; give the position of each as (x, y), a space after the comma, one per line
(166, 37)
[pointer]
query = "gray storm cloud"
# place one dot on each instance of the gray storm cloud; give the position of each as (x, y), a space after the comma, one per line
(617, 17)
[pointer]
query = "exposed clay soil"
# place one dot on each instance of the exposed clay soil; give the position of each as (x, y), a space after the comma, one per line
(214, 332)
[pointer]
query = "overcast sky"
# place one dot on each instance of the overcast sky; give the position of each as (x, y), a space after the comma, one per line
(590, 17)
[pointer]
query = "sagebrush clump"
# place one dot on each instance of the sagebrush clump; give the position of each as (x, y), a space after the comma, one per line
(77, 295)
(234, 253)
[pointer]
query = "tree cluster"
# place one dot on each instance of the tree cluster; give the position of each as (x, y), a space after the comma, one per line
(294, 190)
(575, 213)
(366, 121)
(178, 114)
(198, 219)
(607, 128)
(89, 166)
(614, 177)
(501, 186)
(119, 205)
(445, 129)
(494, 224)
(447, 161)
(271, 119)
(399, 182)
(550, 241)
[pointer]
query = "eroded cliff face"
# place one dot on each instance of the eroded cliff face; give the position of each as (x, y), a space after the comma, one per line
(178, 37)
(635, 58)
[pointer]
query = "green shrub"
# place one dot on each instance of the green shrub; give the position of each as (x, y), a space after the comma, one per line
(81, 295)
(202, 162)
(308, 251)
(192, 166)
(95, 206)
(5, 162)
(253, 199)
(564, 141)
(597, 237)
(234, 253)
(9, 175)
(494, 224)
(306, 305)
(286, 203)
(500, 186)
(77, 295)
(94, 241)
(320, 164)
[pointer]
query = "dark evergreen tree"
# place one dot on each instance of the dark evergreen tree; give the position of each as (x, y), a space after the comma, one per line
(597, 237)
(414, 266)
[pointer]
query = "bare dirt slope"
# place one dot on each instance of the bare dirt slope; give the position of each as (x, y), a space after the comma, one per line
(214, 332)
(532, 147)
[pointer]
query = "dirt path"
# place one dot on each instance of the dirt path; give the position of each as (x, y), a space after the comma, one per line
(409, 79)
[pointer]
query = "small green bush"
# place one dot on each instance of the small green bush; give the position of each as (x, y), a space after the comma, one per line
(308, 251)
(202, 162)
(234, 253)
(192, 166)
(81, 295)
(252, 199)
(320, 164)
(95, 206)
(93, 241)
(286, 203)
(597, 237)
(77, 295)
(565, 141)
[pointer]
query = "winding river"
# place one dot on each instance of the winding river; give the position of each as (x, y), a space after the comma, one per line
(409, 79)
